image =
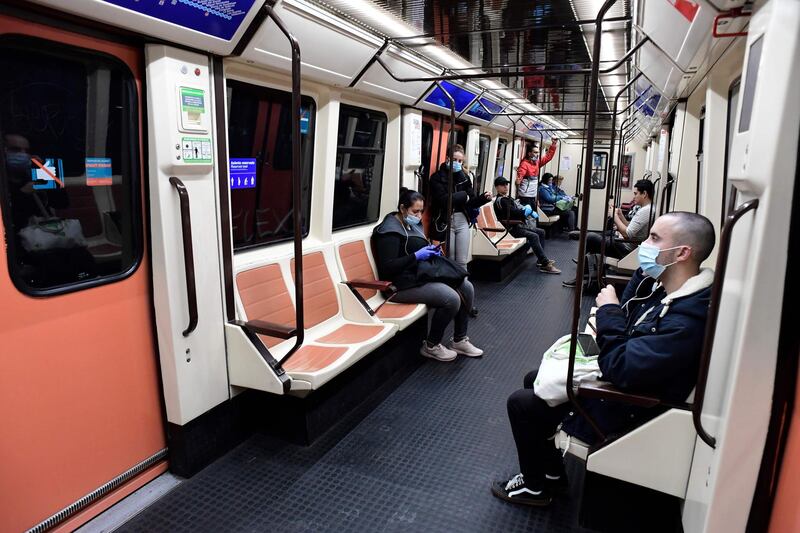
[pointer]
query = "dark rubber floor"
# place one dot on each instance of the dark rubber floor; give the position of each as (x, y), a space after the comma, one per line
(421, 460)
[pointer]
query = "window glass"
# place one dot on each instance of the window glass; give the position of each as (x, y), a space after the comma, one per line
(69, 172)
(359, 166)
(427, 154)
(500, 166)
(599, 162)
(483, 160)
(260, 139)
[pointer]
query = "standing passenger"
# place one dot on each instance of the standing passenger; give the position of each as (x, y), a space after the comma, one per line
(528, 173)
(400, 246)
(464, 200)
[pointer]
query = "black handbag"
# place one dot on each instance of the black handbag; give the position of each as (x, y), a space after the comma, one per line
(440, 269)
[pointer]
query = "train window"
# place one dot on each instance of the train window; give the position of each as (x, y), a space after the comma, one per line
(483, 161)
(750, 80)
(260, 142)
(427, 153)
(359, 166)
(69, 166)
(500, 165)
(599, 162)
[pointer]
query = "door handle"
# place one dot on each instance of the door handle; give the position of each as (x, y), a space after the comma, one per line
(188, 253)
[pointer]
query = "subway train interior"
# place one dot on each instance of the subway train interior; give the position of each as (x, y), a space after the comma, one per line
(197, 329)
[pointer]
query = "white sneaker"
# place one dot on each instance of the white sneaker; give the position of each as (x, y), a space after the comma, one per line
(438, 352)
(464, 347)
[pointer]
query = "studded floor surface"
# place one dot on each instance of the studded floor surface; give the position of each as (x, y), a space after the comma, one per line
(422, 459)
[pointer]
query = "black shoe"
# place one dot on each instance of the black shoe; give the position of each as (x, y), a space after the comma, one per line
(575, 235)
(557, 485)
(574, 260)
(516, 491)
(473, 312)
(571, 283)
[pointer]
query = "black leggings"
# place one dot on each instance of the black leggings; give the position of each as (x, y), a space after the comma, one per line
(533, 424)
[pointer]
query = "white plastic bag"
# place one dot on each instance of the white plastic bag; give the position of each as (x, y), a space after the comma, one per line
(43, 234)
(551, 381)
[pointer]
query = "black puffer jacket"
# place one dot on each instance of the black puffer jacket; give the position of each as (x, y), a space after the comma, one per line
(464, 199)
(395, 243)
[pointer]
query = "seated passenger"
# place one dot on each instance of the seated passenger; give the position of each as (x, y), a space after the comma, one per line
(509, 209)
(628, 234)
(400, 245)
(547, 202)
(649, 344)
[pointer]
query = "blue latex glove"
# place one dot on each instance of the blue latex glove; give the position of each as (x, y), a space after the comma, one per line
(527, 210)
(423, 254)
(535, 215)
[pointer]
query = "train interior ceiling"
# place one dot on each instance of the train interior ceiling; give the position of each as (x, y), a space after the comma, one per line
(194, 333)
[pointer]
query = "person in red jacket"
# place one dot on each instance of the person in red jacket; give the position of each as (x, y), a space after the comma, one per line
(528, 173)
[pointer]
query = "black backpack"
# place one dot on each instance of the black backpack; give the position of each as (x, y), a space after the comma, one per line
(591, 273)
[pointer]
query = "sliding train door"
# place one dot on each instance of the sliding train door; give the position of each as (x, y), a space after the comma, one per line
(79, 387)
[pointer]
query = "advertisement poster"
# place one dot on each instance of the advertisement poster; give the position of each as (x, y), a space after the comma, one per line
(627, 170)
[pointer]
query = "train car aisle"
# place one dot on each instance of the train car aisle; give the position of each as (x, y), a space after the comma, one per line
(422, 460)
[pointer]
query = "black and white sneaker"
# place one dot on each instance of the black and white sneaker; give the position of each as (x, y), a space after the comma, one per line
(516, 491)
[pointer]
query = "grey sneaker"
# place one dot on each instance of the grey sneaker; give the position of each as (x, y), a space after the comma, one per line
(549, 268)
(464, 347)
(438, 352)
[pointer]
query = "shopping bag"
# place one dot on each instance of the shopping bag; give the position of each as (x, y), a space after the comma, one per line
(551, 381)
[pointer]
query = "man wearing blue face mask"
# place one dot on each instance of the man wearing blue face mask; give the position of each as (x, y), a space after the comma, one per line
(650, 343)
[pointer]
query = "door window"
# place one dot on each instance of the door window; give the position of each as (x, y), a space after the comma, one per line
(483, 161)
(69, 166)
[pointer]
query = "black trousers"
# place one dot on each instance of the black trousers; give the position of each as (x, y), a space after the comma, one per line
(533, 424)
(614, 249)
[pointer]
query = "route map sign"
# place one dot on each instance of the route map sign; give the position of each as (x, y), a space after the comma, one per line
(218, 18)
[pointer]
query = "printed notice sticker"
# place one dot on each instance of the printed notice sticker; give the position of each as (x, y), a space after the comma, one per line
(98, 171)
(196, 150)
(193, 107)
(305, 120)
(47, 175)
(243, 173)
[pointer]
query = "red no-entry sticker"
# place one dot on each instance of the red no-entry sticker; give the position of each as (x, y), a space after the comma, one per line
(687, 8)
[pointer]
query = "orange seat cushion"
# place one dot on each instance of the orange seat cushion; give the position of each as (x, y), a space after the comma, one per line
(351, 334)
(319, 295)
(311, 358)
(357, 266)
(391, 310)
(265, 297)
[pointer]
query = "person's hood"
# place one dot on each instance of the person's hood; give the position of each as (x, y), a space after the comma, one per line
(390, 224)
(696, 286)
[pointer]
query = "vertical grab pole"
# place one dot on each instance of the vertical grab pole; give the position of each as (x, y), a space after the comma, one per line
(450, 144)
(296, 187)
(576, 305)
(610, 175)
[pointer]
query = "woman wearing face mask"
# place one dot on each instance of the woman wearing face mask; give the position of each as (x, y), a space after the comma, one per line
(464, 200)
(400, 245)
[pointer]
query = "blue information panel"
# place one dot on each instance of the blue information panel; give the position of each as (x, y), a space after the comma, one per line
(218, 18)
(243, 173)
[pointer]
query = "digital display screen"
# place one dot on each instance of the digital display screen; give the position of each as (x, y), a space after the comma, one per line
(218, 18)
(481, 112)
(750, 80)
(461, 96)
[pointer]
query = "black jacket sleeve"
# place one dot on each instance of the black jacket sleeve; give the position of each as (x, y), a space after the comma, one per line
(439, 191)
(390, 257)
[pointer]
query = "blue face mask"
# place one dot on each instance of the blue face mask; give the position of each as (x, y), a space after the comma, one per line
(411, 220)
(18, 161)
(647, 260)
(456, 166)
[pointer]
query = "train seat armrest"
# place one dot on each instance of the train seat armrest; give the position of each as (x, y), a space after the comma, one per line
(262, 327)
(511, 222)
(607, 391)
(493, 230)
(371, 284)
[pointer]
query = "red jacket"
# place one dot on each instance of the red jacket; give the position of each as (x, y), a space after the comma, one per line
(529, 169)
